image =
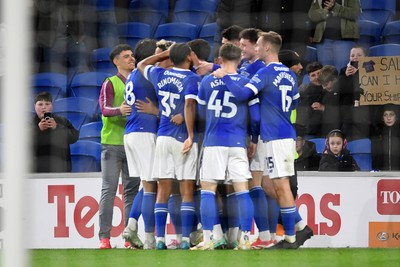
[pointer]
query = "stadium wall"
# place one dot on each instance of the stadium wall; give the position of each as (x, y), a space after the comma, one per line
(344, 210)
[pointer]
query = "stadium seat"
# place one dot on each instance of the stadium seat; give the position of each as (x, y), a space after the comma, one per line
(152, 12)
(87, 84)
(369, 33)
(208, 31)
(384, 50)
(91, 131)
(319, 144)
(78, 110)
(391, 32)
(195, 12)
(178, 32)
(100, 60)
(311, 54)
(378, 11)
(361, 152)
(86, 156)
(54, 83)
(132, 32)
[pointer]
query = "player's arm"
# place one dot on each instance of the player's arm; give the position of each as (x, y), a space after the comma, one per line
(190, 115)
(150, 61)
(106, 100)
(255, 118)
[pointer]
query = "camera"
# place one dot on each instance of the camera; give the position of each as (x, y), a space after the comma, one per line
(354, 64)
(47, 115)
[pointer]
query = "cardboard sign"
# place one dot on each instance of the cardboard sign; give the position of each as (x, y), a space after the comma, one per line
(379, 77)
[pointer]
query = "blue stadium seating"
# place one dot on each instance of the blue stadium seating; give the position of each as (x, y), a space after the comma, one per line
(319, 144)
(361, 152)
(100, 60)
(132, 32)
(54, 83)
(208, 31)
(378, 11)
(86, 156)
(91, 131)
(177, 32)
(152, 12)
(311, 54)
(370, 33)
(195, 12)
(78, 110)
(391, 32)
(384, 50)
(87, 84)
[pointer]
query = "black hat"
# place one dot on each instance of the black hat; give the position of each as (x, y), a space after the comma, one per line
(289, 58)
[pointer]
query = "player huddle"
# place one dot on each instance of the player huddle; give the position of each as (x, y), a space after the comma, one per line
(214, 145)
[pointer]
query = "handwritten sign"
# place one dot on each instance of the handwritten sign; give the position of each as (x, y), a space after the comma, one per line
(380, 80)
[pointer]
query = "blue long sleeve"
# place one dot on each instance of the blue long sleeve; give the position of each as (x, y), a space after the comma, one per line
(255, 119)
(241, 93)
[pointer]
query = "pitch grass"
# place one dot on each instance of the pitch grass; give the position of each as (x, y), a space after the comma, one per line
(307, 257)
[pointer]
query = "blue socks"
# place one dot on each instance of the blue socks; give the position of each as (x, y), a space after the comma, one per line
(208, 209)
(261, 206)
(136, 206)
(246, 210)
(288, 219)
(149, 199)
(160, 213)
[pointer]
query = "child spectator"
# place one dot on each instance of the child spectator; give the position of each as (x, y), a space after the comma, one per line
(336, 157)
(386, 143)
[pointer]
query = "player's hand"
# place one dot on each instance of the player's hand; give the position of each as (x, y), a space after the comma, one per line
(219, 73)
(251, 150)
(146, 107)
(125, 109)
(204, 68)
(177, 119)
(187, 145)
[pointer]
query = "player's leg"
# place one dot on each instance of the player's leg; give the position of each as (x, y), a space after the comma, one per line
(161, 210)
(239, 174)
(148, 202)
(110, 178)
(174, 209)
(273, 206)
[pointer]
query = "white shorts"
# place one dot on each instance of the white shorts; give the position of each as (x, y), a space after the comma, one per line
(258, 161)
(225, 164)
(280, 158)
(140, 150)
(169, 163)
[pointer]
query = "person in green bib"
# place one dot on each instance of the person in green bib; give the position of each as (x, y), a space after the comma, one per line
(113, 158)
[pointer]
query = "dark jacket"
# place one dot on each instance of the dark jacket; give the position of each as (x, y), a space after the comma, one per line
(331, 115)
(386, 148)
(331, 162)
(48, 20)
(309, 159)
(51, 151)
(306, 115)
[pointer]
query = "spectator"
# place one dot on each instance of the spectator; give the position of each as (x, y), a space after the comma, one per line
(329, 104)
(355, 118)
(113, 158)
(309, 94)
(60, 34)
(52, 136)
(307, 157)
(292, 60)
(290, 20)
(336, 157)
(336, 29)
(386, 142)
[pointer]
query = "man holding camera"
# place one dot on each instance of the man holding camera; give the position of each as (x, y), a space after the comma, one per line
(52, 136)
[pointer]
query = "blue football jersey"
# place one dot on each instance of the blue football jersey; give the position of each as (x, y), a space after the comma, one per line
(251, 69)
(138, 88)
(277, 90)
(172, 87)
(226, 116)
